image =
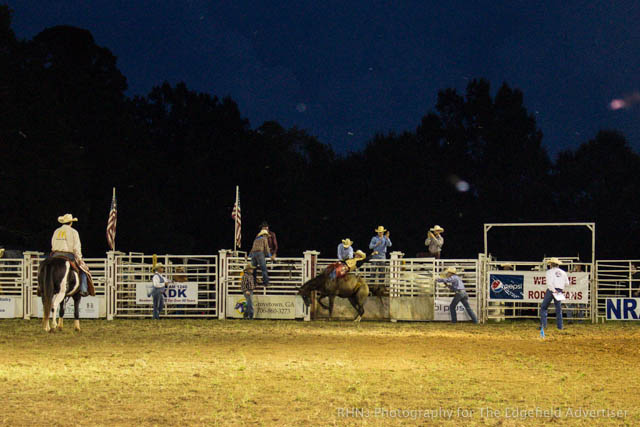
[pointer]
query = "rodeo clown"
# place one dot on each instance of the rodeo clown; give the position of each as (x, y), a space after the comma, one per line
(65, 243)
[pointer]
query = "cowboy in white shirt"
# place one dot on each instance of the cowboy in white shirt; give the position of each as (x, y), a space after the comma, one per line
(556, 281)
(65, 242)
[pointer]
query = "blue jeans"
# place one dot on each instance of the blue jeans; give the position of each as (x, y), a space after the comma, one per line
(548, 296)
(258, 260)
(249, 297)
(83, 276)
(158, 301)
(461, 296)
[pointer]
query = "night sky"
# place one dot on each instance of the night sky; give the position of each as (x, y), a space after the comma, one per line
(346, 70)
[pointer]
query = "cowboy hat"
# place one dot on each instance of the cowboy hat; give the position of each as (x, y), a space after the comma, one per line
(249, 267)
(437, 228)
(506, 265)
(451, 270)
(554, 260)
(347, 242)
(360, 254)
(66, 218)
(157, 266)
(263, 233)
(380, 229)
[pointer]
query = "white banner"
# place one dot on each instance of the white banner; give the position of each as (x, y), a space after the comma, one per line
(267, 306)
(623, 308)
(530, 286)
(89, 308)
(175, 293)
(7, 308)
(442, 312)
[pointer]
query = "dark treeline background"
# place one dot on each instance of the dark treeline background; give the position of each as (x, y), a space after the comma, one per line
(69, 134)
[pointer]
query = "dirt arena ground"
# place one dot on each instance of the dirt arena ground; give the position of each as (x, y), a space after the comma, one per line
(209, 372)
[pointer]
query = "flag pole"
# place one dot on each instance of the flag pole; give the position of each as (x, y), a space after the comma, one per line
(235, 230)
(113, 198)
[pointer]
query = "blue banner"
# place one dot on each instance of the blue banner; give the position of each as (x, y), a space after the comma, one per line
(508, 287)
(623, 308)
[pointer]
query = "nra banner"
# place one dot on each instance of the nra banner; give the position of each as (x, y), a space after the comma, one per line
(175, 293)
(623, 308)
(530, 286)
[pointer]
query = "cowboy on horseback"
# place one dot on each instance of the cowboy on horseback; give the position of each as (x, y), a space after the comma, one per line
(65, 243)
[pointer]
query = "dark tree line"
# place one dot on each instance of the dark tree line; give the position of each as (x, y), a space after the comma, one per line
(69, 134)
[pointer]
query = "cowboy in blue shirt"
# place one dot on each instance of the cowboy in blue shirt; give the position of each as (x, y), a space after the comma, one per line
(454, 282)
(380, 243)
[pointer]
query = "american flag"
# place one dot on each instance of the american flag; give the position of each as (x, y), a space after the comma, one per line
(111, 222)
(235, 214)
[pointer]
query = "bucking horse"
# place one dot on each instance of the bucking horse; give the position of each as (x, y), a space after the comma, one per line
(350, 286)
(57, 281)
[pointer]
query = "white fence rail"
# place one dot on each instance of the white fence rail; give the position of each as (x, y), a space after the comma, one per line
(121, 280)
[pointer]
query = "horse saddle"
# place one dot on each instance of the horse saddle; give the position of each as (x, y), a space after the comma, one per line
(337, 270)
(74, 265)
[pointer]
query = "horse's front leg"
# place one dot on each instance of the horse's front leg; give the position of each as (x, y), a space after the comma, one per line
(331, 299)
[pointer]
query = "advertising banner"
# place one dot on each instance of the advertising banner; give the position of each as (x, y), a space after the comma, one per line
(267, 306)
(530, 286)
(89, 308)
(623, 308)
(175, 293)
(442, 312)
(7, 308)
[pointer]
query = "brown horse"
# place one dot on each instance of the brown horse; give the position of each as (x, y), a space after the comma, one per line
(57, 280)
(350, 286)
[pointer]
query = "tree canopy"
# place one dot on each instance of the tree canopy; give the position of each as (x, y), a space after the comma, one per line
(69, 133)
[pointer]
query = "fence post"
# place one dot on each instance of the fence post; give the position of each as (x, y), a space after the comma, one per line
(395, 265)
(481, 276)
(28, 278)
(309, 263)
(110, 284)
(223, 272)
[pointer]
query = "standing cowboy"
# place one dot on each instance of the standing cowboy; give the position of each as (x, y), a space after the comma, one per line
(248, 285)
(454, 282)
(160, 283)
(259, 253)
(556, 281)
(434, 241)
(65, 242)
(380, 243)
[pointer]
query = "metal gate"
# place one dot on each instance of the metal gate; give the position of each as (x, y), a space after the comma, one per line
(194, 293)
(615, 279)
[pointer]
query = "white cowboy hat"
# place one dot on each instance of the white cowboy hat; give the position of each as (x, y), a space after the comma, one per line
(437, 228)
(380, 229)
(360, 254)
(66, 218)
(506, 265)
(451, 270)
(157, 266)
(554, 260)
(347, 242)
(263, 232)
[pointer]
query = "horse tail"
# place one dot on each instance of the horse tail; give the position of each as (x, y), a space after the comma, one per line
(45, 286)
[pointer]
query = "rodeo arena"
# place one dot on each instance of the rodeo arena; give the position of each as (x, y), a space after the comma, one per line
(208, 286)
(403, 363)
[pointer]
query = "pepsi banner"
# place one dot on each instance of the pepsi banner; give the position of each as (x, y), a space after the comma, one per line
(530, 286)
(506, 286)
